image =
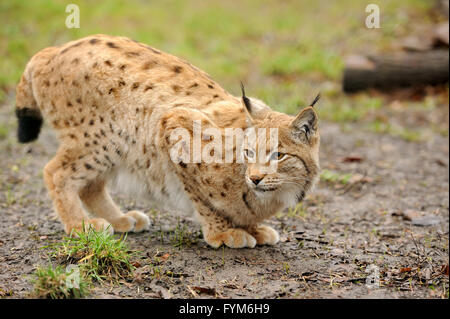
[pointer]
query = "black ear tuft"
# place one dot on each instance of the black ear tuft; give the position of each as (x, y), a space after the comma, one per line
(245, 99)
(315, 100)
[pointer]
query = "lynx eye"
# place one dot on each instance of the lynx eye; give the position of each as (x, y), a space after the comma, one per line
(277, 156)
(249, 153)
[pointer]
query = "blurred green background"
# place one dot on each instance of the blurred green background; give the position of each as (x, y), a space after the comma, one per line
(284, 51)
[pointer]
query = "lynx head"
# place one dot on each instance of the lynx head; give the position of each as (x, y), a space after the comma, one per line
(286, 169)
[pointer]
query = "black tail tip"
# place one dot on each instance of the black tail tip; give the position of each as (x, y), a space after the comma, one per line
(30, 122)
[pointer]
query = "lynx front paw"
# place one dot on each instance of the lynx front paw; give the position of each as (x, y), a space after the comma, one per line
(133, 221)
(265, 235)
(124, 224)
(233, 238)
(98, 224)
(142, 220)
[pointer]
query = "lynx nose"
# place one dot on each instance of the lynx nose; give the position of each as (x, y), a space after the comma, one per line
(256, 179)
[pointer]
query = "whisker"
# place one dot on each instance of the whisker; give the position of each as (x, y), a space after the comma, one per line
(297, 180)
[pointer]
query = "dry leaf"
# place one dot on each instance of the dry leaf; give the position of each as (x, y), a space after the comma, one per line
(440, 162)
(352, 159)
(410, 214)
(445, 270)
(405, 269)
(165, 256)
(206, 290)
(419, 218)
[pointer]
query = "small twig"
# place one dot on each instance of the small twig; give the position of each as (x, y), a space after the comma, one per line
(312, 239)
(417, 248)
(192, 291)
(352, 280)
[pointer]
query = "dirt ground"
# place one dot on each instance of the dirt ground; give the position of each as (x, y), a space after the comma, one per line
(390, 221)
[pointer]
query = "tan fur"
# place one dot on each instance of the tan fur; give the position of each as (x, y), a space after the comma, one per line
(114, 103)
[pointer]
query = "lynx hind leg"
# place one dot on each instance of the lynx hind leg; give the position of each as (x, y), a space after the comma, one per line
(97, 200)
(265, 235)
(63, 181)
(218, 231)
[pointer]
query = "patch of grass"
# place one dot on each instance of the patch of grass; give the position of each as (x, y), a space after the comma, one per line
(55, 283)
(334, 177)
(3, 130)
(156, 271)
(98, 254)
(182, 236)
(297, 212)
(10, 198)
(398, 131)
(289, 60)
(286, 268)
(341, 109)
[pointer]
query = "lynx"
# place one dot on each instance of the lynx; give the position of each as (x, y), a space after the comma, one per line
(114, 104)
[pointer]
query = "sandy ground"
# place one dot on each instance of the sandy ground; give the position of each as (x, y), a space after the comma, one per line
(384, 234)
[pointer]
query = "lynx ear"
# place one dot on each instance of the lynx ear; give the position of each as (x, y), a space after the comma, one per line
(255, 108)
(304, 125)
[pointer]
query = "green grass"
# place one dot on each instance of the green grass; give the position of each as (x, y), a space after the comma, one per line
(297, 212)
(286, 268)
(334, 177)
(99, 255)
(405, 133)
(288, 61)
(52, 283)
(4, 131)
(181, 236)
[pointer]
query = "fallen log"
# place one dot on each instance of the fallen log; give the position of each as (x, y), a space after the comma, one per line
(404, 69)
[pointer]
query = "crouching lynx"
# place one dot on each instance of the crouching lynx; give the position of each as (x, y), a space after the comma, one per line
(114, 104)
